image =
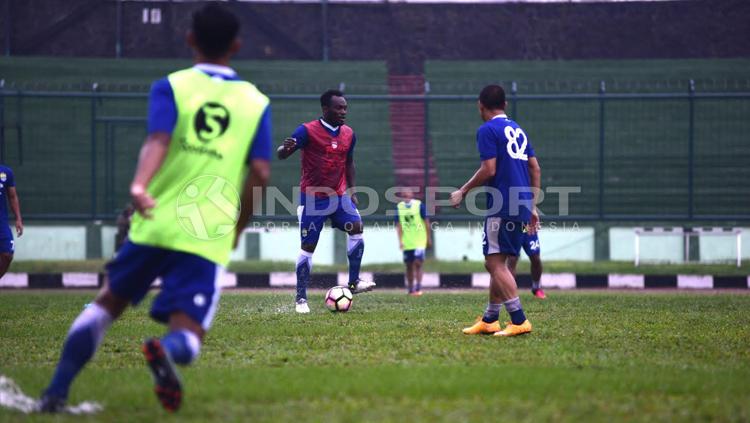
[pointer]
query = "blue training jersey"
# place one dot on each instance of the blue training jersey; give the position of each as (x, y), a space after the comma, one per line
(502, 139)
(6, 180)
(162, 111)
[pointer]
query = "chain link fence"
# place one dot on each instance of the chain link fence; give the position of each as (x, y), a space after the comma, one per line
(634, 156)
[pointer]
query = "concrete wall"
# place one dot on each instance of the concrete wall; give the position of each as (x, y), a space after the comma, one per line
(557, 243)
(724, 248)
(661, 248)
(452, 242)
(51, 243)
(671, 248)
(284, 245)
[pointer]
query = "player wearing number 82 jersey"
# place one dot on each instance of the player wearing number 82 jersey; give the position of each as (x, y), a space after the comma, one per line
(509, 170)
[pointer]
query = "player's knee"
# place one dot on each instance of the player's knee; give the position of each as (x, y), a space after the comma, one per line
(354, 228)
(310, 248)
(111, 302)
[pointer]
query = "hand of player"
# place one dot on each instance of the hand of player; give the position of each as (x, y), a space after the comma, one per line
(19, 227)
(401, 245)
(142, 201)
(290, 144)
(429, 242)
(456, 197)
(534, 222)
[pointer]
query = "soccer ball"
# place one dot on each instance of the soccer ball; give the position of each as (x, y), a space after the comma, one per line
(339, 298)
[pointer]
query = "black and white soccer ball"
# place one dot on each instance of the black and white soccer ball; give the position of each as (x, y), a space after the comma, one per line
(339, 299)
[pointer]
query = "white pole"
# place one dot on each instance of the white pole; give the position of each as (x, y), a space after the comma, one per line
(637, 247)
(739, 248)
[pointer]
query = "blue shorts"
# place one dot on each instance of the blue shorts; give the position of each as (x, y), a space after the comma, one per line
(341, 210)
(189, 283)
(502, 236)
(7, 245)
(412, 255)
(530, 244)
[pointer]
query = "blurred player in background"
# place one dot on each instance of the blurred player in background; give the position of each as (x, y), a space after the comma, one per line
(506, 169)
(327, 146)
(123, 225)
(413, 228)
(530, 244)
(209, 135)
(7, 244)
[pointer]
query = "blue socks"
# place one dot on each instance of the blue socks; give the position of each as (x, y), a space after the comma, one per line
(83, 339)
(354, 249)
(513, 306)
(492, 313)
(304, 267)
(183, 346)
(87, 333)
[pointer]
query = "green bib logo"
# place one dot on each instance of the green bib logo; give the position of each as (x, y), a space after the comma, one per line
(211, 121)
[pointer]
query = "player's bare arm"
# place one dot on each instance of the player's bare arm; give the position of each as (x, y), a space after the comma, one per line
(399, 231)
(287, 148)
(429, 234)
(257, 177)
(535, 178)
(150, 159)
(16, 207)
(486, 170)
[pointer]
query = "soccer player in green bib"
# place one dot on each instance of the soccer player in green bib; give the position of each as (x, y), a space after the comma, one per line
(208, 148)
(413, 228)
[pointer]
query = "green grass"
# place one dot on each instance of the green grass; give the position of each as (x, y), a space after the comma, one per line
(591, 357)
(256, 266)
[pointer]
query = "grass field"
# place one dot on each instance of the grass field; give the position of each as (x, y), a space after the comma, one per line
(259, 266)
(592, 356)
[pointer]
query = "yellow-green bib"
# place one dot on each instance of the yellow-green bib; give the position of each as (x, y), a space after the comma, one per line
(413, 228)
(198, 186)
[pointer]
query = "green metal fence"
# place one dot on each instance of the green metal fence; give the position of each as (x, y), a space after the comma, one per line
(635, 156)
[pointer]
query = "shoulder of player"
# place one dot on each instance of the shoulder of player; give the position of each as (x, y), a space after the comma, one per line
(346, 130)
(251, 91)
(495, 125)
(491, 127)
